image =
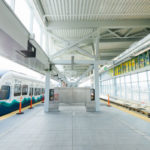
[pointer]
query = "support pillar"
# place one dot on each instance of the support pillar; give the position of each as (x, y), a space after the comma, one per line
(47, 87)
(96, 75)
(96, 86)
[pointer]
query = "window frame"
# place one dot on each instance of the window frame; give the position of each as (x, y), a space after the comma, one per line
(24, 87)
(20, 90)
(31, 89)
(8, 94)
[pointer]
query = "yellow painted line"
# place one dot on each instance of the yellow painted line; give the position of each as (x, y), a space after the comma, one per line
(133, 113)
(14, 112)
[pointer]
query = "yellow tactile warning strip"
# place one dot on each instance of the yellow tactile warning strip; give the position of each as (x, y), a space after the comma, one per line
(14, 112)
(136, 114)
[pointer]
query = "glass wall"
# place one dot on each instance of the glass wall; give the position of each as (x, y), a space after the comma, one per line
(44, 41)
(23, 12)
(131, 87)
(9, 2)
(37, 31)
(30, 19)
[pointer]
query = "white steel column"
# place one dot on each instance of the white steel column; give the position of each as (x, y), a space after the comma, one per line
(96, 86)
(96, 75)
(47, 43)
(47, 87)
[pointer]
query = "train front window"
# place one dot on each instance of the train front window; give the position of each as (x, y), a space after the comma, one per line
(4, 92)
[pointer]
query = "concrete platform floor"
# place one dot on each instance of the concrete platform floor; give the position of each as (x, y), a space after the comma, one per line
(74, 129)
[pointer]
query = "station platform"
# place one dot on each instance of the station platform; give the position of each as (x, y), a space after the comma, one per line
(74, 129)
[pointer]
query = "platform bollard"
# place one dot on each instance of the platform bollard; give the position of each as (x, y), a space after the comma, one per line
(20, 106)
(31, 103)
(108, 102)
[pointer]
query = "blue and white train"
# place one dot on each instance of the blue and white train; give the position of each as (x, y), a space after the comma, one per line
(13, 85)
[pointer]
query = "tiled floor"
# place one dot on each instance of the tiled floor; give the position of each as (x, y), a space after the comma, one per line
(74, 129)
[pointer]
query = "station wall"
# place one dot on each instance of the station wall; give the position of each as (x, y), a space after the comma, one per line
(128, 81)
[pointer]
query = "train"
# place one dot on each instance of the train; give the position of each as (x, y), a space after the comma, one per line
(14, 86)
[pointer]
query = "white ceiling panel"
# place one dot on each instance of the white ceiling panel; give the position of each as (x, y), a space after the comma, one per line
(121, 23)
(69, 10)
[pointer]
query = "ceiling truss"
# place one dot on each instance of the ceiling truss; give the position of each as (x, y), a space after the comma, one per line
(74, 29)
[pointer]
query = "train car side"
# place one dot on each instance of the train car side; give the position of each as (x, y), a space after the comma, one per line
(13, 87)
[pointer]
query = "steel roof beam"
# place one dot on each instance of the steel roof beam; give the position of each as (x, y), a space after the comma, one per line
(65, 42)
(101, 54)
(84, 52)
(60, 74)
(83, 75)
(128, 32)
(115, 50)
(124, 23)
(62, 51)
(119, 40)
(136, 34)
(114, 33)
(81, 62)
